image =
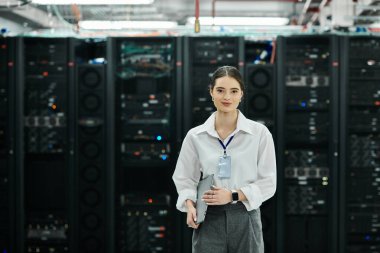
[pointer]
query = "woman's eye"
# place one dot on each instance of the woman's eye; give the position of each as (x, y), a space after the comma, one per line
(219, 91)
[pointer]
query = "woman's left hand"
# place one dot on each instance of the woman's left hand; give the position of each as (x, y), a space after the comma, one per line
(217, 196)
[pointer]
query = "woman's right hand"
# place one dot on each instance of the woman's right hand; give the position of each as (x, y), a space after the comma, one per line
(191, 214)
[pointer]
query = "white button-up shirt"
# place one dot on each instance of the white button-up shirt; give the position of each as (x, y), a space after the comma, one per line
(253, 161)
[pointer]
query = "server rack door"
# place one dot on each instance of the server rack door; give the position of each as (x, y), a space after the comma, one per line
(260, 105)
(307, 123)
(93, 134)
(360, 144)
(145, 76)
(45, 164)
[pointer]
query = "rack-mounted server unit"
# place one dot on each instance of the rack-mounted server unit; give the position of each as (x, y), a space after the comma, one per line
(45, 170)
(360, 145)
(147, 85)
(307, 143)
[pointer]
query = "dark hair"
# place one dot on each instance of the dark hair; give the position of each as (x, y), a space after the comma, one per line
(227, 71)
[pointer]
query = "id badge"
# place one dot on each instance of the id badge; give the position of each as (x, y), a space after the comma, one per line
(224, 167)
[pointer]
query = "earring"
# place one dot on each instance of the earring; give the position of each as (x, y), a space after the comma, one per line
(212, 98)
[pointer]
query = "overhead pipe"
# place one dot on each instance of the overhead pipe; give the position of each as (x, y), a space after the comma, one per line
(77, 15)
(213, 11)
(197, 25)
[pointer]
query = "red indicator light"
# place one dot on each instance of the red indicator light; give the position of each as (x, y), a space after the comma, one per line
(150, 200)
(45, 73)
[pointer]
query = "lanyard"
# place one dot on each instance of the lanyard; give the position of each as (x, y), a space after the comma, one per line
(225, 147)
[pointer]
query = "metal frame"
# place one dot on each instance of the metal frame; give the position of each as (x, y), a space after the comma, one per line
(110, 143)
(19, 147)
(334, 146)
(344, 42)
(72, 191)
(280, 119)
(11, 141)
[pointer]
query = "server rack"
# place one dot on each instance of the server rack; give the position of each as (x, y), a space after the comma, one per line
(7, 89)
(147, 85)
(359, 144)
(42, 145)
(201, 57)
(93, 145)
(307, 143)
(259, 102)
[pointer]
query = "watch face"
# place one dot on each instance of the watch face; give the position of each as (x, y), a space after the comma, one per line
(235, 196)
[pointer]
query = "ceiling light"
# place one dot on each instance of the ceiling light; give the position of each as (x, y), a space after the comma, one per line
(240, 21)
(92, 2)
(118, 25)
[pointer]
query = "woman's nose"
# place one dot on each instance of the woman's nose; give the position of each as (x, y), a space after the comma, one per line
(227, 95)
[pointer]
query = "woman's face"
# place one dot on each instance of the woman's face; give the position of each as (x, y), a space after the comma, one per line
(227, 94)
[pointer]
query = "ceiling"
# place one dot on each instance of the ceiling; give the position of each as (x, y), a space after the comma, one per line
(28, 16)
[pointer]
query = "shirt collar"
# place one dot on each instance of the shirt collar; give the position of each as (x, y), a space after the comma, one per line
(209, 125)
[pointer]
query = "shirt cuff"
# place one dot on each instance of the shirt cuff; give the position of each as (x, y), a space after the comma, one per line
(183, 196)
(254, 197)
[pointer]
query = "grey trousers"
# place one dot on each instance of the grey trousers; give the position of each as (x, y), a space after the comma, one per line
(229, 229)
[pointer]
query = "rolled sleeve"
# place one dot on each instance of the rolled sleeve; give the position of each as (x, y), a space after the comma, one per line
(265, 185)
(186, 174)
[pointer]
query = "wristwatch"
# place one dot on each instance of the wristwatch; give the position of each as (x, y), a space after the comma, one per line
(235, 196)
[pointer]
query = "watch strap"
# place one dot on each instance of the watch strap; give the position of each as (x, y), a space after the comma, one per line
(235, 196)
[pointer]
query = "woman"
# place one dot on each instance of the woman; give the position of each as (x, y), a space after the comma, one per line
(240, 153)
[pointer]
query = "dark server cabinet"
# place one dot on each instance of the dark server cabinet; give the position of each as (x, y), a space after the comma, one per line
(360, 145)
(259, 103)
(307, 144)
(7, 82)
(147, 85)
(94, 136)
(202, 56)
(44, 126)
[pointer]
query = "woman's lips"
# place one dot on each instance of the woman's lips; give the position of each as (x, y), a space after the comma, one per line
(226, 104)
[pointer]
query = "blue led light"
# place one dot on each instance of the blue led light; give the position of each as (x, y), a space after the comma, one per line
(159, 137)
(303, 104)
(5, 251)
(367, 237)
(164, 157)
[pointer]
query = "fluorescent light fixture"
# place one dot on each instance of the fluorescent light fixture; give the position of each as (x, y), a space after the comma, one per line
(92, 2)
(119, 25)
(240, 21)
